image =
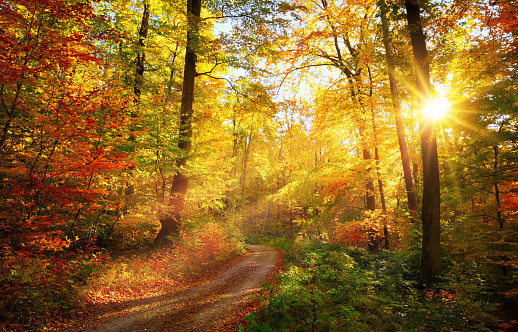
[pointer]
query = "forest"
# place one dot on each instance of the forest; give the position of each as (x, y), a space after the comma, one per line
(146, 143)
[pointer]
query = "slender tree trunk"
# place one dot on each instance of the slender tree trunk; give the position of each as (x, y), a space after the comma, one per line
(386, 233)
(5, 131)
(171, 219)
(499, 216)
(10, 113)
(292, 224)
(366, 154)
(378, 173)
(246, 155)
(431, 246)
(354, 81)
(371, 197)
(380, 182)
(396, 103)
(139, 81)
(376, 149)
(141, 54)
(497, 190)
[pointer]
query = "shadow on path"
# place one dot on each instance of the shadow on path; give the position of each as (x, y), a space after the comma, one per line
(201, 308)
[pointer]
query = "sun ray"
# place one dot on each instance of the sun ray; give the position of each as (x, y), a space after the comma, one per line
(437, 108)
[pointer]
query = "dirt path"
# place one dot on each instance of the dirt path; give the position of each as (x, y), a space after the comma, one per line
(208, 307)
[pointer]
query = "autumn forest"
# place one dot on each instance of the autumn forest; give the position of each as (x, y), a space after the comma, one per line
(147, 143)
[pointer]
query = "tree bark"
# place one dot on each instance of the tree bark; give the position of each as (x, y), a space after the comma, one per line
(247, 142)
(396, 103)
(431, 245)
(371, 197)
(376, 149)
(171, 218)
(139, 80)
(141, 54)
(10, 113)
(499, 216)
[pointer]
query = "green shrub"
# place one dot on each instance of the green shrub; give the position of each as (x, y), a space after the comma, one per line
(31, 285)
(333, 288)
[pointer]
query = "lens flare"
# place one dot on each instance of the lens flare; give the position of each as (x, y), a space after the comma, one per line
(437, 108)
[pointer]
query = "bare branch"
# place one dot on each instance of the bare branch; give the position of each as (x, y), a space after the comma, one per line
(231, 85)
(207, 73)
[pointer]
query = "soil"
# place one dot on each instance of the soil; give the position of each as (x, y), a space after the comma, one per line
(218, 304)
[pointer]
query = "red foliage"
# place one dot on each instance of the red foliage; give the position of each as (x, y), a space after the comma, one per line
(349, 234)
(61, 126)
(206, 247)
(60, 123)
(509, 198)
(507, 18)
(196, 255)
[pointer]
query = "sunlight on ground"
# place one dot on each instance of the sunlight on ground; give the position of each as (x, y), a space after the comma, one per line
(153, 273)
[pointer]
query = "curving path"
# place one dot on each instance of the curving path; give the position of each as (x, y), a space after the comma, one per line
(205, 307)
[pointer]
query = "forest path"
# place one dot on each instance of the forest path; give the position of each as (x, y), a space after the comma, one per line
(212, 306)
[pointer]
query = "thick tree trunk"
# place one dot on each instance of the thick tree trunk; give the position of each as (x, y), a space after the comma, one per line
(171, 219)
(396, 103)
(430, 255)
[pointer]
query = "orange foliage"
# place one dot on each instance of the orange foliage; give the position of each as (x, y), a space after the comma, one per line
(350, 234)
(206, 247)
(160, 272)
(61, 124)
(61, 128)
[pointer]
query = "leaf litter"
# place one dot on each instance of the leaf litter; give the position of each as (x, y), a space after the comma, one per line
(216, 300)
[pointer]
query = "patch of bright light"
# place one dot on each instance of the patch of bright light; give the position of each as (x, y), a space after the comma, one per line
(437, 108)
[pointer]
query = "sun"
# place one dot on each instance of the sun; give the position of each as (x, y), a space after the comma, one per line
(437, 108)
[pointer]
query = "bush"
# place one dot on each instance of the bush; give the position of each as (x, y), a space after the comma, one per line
(149, 273)
(31, 285)
(208, 246)
(336, 288)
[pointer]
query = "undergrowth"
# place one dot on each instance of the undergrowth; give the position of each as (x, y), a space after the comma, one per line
(36, 290)
(151, 273)
(331, 287)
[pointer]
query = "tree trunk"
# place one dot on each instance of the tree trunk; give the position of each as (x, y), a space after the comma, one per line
(431, 246)
(371, 197)
(396, 103)
(353, 80)
(141, 54)
(10, 113)
(139, 80)
(499, 216)
(378, 173)
(247, 142)
(171, 218)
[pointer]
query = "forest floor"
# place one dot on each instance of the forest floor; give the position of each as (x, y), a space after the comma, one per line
(218, 302)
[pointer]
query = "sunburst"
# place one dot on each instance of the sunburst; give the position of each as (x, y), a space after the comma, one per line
(437, 108)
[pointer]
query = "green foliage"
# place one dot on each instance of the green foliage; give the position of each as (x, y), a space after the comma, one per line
(30, 287)
(335, 288)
